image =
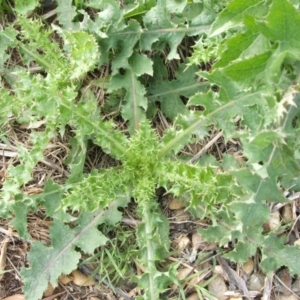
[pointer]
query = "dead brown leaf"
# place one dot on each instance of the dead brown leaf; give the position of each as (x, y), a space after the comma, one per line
(248, 266)
(296, 286)
(274, 221)
(35, 125)
(256, 282)
(65, 279)
(287, 214)
(183, 242)
(49, 291)
(290, 297)
(175, 204)
(217, 288)
(297, 242)
(199, 243)
(283, 281)
(3, 249)
(182, 274)
(193, 296)
(81, 279)
(15, 297)
(196, 280)
(181, 215)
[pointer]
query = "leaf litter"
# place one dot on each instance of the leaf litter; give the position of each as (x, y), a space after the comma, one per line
(188, 246)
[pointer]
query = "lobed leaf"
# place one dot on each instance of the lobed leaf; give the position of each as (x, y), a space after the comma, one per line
(124, 42)
(66, 13)
(276, 254)
(170, 93)
(234, 13)
(248, 68)
(82, 52)
(281, 24)
(23, 7)
(7, 39)
(135, 101)
(138, 8)
(156, 20)
(48, 263)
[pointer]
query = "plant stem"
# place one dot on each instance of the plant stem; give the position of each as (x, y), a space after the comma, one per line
(150, 255)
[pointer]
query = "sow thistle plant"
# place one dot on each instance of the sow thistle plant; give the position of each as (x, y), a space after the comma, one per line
(251, 94)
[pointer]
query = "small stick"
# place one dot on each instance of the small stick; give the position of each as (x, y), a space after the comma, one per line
(238, 281)
(267, 287)
(117, 291)
(205, 148)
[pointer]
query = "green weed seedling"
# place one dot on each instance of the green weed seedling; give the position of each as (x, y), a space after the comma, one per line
(251, 92)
